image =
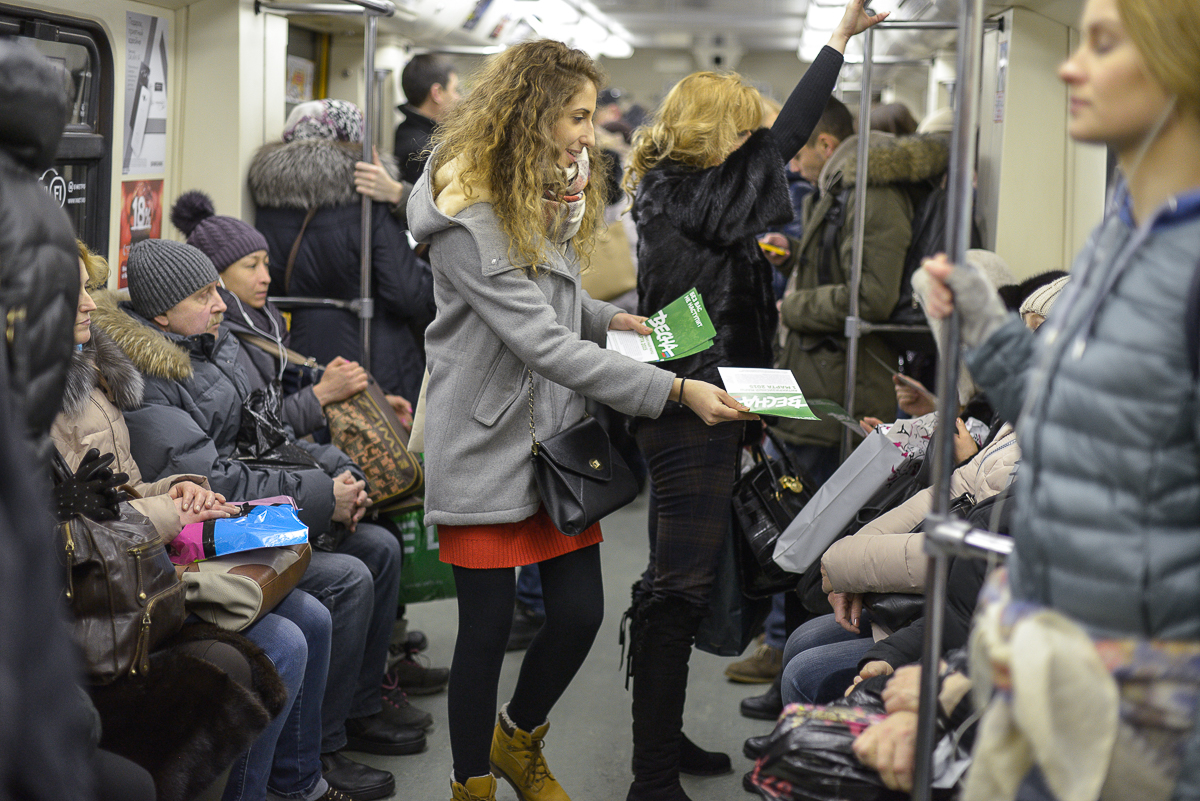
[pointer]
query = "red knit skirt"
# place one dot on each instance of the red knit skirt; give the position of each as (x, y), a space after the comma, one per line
(525, 542)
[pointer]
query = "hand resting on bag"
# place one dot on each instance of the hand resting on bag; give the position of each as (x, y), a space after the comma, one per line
(342, 379)
(196, 504)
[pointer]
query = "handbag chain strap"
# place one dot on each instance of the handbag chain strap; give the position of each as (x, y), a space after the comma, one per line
(532, 431)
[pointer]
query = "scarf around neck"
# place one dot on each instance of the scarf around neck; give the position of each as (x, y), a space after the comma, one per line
(564, 212)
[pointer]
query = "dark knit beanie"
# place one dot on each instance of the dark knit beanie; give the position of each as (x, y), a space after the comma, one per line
(162, 272)
(223, 239)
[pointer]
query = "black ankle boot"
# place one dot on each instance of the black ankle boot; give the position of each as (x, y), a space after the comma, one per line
(663, 630)
(766, 706)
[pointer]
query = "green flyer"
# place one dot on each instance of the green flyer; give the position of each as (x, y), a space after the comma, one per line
(773, 392)
(681, 328)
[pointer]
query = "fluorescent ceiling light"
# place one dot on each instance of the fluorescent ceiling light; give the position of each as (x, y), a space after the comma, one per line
(823, 18)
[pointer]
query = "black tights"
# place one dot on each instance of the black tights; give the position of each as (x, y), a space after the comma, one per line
(574, 596)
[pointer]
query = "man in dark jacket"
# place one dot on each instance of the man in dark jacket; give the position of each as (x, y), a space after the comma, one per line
(44, 727)
(812, 340)
(430, 84)
(194, 398)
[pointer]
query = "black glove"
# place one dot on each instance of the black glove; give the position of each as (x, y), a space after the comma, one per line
(92, 491)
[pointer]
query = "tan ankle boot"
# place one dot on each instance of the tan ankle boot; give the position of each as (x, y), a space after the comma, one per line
(476, 788)
(517, 758)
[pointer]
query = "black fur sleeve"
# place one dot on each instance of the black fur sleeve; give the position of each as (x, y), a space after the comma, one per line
(740, 197)
(807, 102)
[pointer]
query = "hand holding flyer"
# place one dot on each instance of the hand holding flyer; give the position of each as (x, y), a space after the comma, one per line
(773, 392)
(680, 329)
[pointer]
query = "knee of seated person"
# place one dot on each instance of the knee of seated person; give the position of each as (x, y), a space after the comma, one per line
(229, 659)
(377, 547)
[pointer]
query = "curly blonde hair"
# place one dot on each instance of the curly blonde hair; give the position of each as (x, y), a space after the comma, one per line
(698, 124)
(502, 133)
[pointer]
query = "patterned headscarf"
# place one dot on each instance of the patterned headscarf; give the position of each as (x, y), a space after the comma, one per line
(339, 120)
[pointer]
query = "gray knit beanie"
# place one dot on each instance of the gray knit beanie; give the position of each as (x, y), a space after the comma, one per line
(162, 272)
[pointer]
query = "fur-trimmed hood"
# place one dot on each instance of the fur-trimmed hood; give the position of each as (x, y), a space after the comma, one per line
(890, 160)
(101, 363)
(149, 350)
(307, 173)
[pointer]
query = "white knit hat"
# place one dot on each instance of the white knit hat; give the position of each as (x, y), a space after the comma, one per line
(1041, 300)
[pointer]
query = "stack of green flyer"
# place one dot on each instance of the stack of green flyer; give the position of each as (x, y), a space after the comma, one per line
(681, 328)
(773, 392)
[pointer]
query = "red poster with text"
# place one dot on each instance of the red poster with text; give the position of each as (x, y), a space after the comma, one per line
(141, 217)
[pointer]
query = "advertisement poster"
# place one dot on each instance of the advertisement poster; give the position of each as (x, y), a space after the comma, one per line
(299, 80)
(141, 217)
(145, 94)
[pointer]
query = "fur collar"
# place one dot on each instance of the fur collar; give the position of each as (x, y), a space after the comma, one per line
(304, 174)
(149, 350)
(101, 363)
(890, 160)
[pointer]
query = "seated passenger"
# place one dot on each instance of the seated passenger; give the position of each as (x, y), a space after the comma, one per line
(239, 252)
(189, 422)
(102, 382)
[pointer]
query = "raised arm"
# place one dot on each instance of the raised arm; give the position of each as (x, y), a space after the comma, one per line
(804, 106)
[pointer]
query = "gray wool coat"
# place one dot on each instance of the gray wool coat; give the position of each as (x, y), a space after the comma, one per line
(494, 319)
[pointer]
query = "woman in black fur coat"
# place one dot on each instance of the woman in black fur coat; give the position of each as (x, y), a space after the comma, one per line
(706, 180)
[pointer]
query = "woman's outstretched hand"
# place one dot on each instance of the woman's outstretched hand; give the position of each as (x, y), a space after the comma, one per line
(712, 404)
(854, 21)
(950, 287)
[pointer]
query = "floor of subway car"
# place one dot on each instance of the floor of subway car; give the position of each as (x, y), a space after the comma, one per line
(588, 746)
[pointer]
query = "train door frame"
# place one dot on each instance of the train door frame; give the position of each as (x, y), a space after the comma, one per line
(86, 143)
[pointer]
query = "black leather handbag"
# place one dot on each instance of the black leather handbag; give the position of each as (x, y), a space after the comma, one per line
(580, 476)
(766, 498)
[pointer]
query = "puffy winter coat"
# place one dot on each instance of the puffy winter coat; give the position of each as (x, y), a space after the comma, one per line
(192, 407)
(886, 555)
(493, 320)
(101, 384)
(813, 314)
(287, 179)
(39, 264)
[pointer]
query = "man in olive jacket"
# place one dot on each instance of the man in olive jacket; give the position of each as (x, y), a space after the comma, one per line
(812, 340)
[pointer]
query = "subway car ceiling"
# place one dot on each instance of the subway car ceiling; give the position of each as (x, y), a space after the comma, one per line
(176, 95)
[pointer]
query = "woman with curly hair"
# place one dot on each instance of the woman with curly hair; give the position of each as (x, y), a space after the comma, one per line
(509, 205)
(706, 179)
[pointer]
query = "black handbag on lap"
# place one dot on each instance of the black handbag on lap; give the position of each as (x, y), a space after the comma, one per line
(580, 476)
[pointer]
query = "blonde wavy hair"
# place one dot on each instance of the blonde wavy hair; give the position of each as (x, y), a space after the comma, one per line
(1167, 35)
(503, 135)
(96, 266)
(698, 124)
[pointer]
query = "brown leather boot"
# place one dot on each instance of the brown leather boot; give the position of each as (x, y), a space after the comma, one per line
(517, 758)
(476, 788)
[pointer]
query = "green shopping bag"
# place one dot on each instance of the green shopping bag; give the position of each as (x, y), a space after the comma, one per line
(422, 576)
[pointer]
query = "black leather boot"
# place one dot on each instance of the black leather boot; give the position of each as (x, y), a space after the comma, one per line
(766, 706)
(663, 630)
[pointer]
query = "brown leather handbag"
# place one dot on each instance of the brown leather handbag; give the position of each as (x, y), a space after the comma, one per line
(367, 430)
(123, 592)
(237, 589)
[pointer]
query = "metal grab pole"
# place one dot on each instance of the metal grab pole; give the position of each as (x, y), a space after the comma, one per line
(959, 199)
(853, 329)
(366, 308)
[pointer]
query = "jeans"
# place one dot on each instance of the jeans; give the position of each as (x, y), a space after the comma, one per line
(286, 756)
(776, 624)
(360, 586)
(529, 588)
(821, 659)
